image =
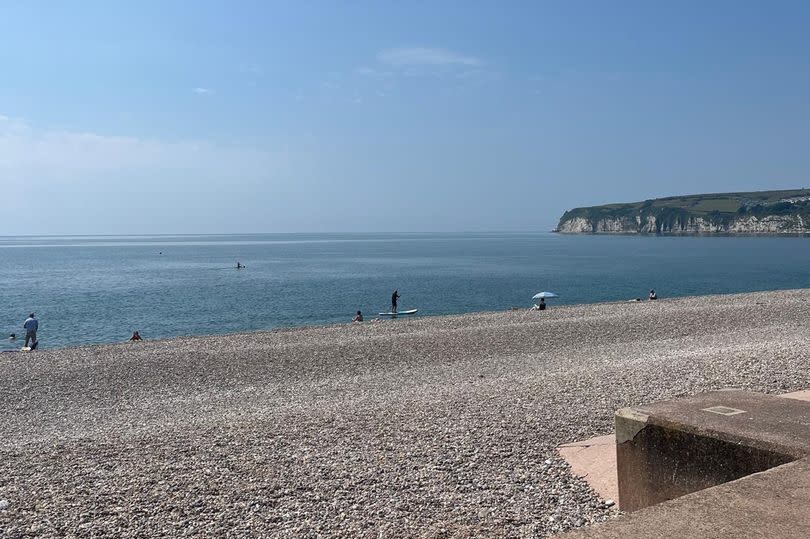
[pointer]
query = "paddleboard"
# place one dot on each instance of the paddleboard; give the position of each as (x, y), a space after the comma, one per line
(412, 311)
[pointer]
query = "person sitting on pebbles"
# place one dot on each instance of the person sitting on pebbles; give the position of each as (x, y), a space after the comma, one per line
(653, 295)
(136, 336)
(358, 317)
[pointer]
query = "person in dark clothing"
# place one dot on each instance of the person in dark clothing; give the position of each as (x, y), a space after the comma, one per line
(653, 295)
(542, 305)
(394, 298)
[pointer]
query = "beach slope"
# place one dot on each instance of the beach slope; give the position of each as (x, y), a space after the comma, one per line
(427, 427)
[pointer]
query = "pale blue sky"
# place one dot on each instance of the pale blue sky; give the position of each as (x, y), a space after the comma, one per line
(184, 117)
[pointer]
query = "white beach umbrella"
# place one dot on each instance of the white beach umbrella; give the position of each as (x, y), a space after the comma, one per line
(545, 295)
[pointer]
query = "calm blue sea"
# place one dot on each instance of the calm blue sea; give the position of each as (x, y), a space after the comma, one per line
(98, 289)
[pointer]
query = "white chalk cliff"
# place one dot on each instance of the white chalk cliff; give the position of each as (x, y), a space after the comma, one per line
(743, 224)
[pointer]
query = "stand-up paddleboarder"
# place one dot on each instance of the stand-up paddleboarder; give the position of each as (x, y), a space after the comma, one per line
(394, 298)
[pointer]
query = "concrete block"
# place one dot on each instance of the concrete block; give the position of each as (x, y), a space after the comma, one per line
(672, 448)
(772, 504)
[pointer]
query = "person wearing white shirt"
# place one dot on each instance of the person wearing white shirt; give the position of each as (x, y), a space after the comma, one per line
(31, 326)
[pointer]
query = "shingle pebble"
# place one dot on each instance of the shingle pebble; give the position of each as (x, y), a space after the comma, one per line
(429, 427)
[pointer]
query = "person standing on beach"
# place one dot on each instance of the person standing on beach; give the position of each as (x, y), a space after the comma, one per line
(394, 298)
(31, 326)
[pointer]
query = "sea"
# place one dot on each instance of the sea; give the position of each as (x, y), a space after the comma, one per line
(99, 289)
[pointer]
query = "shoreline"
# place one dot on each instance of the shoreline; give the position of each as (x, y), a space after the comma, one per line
(432, 426)
(404, 319)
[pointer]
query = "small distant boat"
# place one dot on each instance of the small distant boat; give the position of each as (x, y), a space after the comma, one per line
(399, 313)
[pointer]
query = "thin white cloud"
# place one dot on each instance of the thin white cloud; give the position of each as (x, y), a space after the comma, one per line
(203, 91)
(423, 56)
(65, 155)
(252, 69)
(372, 73)
(82, 181)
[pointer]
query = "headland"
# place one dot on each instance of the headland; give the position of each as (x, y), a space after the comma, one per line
(751, 213)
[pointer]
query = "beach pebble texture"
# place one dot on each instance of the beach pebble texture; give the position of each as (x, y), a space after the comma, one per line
(423, 427)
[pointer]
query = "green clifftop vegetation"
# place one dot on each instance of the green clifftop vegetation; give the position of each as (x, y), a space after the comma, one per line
(715, 212)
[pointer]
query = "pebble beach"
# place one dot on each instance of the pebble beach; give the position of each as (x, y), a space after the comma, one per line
(420, 427)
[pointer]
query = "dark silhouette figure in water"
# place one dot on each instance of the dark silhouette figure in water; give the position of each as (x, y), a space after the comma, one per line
(394, 298)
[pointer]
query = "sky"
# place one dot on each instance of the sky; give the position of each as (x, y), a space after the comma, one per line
(154, 117)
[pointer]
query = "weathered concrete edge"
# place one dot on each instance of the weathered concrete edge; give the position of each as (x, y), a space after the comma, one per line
(629, 422)
(632, 420)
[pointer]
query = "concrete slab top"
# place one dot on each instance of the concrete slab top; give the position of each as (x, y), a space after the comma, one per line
(765, 422)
